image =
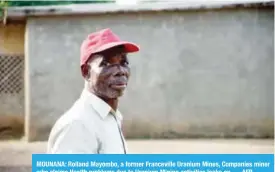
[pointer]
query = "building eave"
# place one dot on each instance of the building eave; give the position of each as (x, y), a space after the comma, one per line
(78, 9)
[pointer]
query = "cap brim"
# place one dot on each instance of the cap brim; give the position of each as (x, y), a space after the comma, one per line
(129, 46)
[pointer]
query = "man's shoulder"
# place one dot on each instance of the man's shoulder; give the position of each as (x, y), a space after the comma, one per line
(72, 115)
(72, 127)
(73, 122)
(79, 115)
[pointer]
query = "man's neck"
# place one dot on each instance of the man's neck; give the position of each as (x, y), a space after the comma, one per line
(113, 103)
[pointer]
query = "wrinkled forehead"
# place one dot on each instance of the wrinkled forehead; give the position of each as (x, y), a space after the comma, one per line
(95, 58)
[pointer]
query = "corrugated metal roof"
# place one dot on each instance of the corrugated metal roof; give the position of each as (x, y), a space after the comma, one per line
(143, 5)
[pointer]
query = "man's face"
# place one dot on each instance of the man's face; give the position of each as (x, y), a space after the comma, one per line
(109, 73)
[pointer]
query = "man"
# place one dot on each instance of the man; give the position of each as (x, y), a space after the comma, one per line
(93, 124)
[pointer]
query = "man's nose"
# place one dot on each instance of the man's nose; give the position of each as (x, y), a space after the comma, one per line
(120, 71)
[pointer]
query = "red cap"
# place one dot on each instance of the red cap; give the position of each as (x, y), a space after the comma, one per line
(103, 40)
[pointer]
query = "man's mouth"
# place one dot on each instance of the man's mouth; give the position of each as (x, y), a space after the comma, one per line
(119, 86)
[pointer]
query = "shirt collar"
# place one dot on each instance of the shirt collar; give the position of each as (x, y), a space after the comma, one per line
(102, 108)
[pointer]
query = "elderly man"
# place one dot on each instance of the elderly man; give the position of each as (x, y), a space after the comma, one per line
(93, 124)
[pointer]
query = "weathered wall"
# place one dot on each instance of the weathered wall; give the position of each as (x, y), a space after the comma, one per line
(197, 74)
(12, 69)
(12, 38)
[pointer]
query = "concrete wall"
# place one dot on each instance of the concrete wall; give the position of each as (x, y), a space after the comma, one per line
(12, 44)
(207, 73)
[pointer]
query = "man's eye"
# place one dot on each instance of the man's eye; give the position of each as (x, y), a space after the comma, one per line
(125, 63)
(104, 63)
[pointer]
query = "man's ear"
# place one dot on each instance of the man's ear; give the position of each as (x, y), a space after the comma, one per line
(85, 71)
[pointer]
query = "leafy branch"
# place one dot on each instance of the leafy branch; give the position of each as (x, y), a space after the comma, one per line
(53, 2)
(4, 4)
(3, 10)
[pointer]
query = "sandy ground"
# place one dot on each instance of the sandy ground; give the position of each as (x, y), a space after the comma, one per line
(16, 156)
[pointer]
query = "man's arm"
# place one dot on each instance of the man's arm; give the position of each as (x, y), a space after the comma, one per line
(73, 139)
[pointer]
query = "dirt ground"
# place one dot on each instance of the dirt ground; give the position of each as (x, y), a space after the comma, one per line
(16, 156)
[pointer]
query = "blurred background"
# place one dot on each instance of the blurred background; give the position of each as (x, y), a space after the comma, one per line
(202, 82)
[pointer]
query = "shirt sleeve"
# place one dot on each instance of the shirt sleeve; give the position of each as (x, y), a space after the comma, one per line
(74, 139)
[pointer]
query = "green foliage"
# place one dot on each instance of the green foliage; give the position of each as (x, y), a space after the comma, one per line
(12, 3)
(3, 5)
(56, 2)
